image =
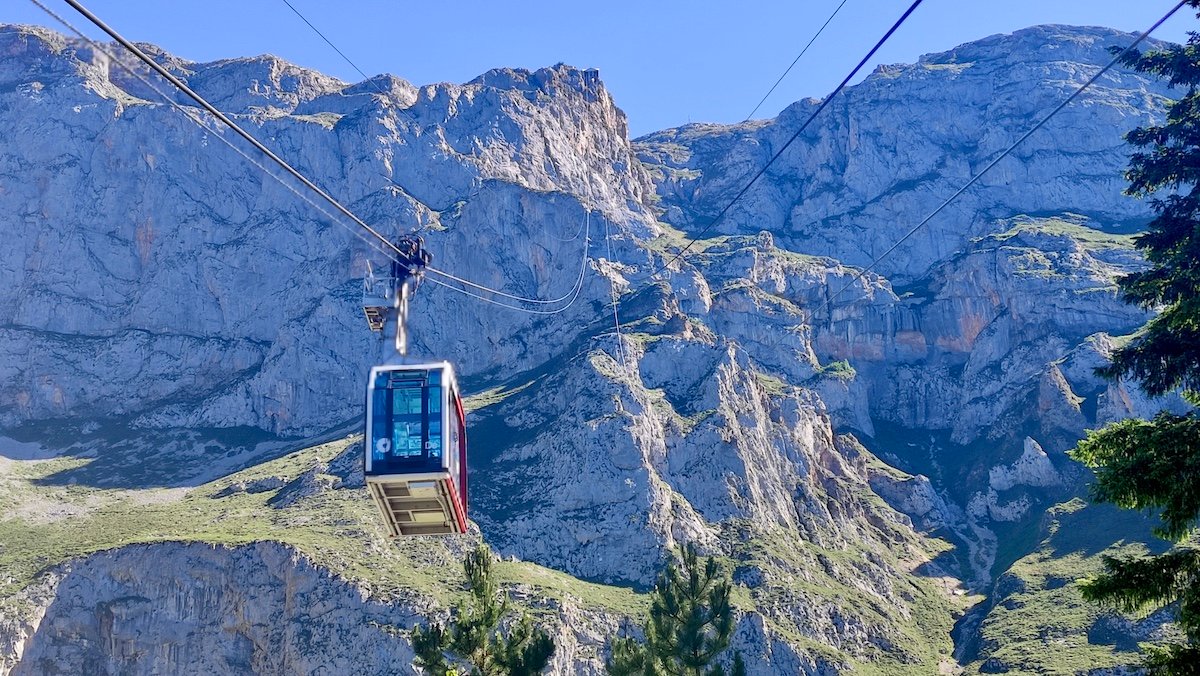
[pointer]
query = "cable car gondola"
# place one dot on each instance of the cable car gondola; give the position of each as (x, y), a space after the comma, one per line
(415, 439)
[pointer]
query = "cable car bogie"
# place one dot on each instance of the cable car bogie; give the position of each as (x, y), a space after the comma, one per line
(415, 438)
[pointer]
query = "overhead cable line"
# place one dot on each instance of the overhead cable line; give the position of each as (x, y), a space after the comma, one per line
(616, 298)
(193, 115)
(1116, 59)
(271, 155)
(366, 78)
(574, 237)
(329, 42)
(485, 299)
(794, 61)
(537, 301)
(790, 141)
(480, 287)
(179, 84)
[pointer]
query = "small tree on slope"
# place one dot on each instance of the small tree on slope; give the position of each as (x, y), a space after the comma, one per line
(690, 624)
(1155, 465)
(475, 635)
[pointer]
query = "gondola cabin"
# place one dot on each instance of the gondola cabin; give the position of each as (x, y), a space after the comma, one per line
(416, 448)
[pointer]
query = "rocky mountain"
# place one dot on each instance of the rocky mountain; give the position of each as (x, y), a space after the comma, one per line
(879, 460)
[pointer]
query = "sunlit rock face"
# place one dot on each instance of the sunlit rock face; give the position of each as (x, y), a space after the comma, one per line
(154, 276)
(887, 152)
(258, 608)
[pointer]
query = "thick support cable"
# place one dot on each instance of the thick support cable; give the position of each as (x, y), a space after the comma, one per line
(179, 84)
(194, 115)
(132, 48)
(1116, 59)
(825, 102)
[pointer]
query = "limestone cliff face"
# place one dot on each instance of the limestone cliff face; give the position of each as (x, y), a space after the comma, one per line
(887, 151)
(153, 259)
(259, 608)
(154, 281)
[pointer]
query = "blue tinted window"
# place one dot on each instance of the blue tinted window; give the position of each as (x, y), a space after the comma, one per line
(406, 421)
(406, 424)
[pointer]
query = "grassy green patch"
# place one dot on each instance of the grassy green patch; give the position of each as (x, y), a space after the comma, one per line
(1039, 621)
(492, 396)
(338, 529)
(838, 370)
(327, 120)
(1090, 238)
(770, 384)
(672, 239)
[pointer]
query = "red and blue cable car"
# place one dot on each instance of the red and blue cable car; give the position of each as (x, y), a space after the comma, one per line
(415, 448)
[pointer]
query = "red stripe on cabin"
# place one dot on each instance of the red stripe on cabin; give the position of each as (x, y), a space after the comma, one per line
(457, 506)
(462, 448)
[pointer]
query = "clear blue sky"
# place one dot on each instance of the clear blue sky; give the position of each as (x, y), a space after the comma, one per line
(667, 62)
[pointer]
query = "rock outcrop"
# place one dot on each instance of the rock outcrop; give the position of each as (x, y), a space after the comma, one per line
(751, 400)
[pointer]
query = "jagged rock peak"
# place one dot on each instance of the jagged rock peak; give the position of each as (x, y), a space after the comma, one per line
(1044, 43)
(549, 80)
(267, 82)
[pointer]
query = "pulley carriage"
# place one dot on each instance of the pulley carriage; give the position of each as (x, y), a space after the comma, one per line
(415, 438)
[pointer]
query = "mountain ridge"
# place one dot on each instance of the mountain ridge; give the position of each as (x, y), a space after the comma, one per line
(869, 466)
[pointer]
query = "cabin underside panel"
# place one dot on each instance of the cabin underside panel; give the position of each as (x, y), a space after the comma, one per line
(418, 504)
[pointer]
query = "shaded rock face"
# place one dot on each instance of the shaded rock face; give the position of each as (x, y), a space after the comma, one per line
(202, 609)
(970, 342)
(155, 276)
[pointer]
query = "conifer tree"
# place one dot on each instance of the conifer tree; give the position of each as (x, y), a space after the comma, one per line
(1155, 464)
(476, 637)
(690, 625)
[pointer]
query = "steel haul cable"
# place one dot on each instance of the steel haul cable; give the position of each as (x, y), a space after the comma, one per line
(570, 297)
(193, 115)
(353, 65)
(485, 299)
(616, 298)
(179, 84)
(335, 47)
(825, 102)
(794, 62)
(165, 74)
(1006, 152)
(523, 299)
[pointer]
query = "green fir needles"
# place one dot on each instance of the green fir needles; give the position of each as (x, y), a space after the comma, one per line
(476, 636)
(691, 622)
(1155, 464)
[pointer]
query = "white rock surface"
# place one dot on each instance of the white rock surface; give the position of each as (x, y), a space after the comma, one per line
(153, 277)
(1033, 468)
